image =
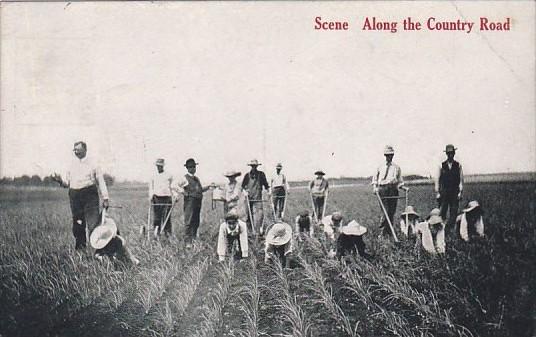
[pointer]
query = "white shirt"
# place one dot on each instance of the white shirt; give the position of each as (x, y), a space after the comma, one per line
(160, 184)
(388, 174)
(84, 173)
(279, 180)
(427, 240)
(241, 230)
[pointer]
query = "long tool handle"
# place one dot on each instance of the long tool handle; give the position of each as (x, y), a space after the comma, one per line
(386, 216)
(163, 226)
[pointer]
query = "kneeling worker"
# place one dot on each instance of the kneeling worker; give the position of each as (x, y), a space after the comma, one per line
(350, 240)
(232, 237)
(278, 243)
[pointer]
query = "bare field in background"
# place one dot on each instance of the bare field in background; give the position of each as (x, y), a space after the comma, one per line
(485, 288)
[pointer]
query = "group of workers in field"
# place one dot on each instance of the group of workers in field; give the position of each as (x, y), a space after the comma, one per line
(244, 212)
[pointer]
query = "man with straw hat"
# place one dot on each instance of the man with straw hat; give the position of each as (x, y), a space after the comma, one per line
(106, 240)
(350, 240)
(471, 222)
(319, 189)
(232, 237)
(279, 189)
(231, 191)
(386, 182)
(193, 191)
(408, 219)
(448, 185)
(432, 233)
(253, 183)
(160, 197)
(278, 243)
(83, 178)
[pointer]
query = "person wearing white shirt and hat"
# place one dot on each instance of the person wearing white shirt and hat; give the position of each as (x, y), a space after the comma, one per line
(471, 222)
(279, 188)
(319, 189)
(252, 185)
(412, 218)
(432, 233)
(232, 237)
(278, 243)
(386, 182)
(82, 179)
(160, 196)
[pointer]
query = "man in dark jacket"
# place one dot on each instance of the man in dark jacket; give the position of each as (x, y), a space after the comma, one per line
(449, 187)
(252, 185)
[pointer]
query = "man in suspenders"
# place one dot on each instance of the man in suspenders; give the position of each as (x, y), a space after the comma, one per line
(449, 186)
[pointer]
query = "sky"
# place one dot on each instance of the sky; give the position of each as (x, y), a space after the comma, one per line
(228, 82)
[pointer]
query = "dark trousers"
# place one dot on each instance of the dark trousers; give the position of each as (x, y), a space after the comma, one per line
(318, 202)
(279, 200)
(390, 206)
(305, 227)
(448, 202)
(192, 214)
(162, 206)
(85, 210)
(234, 240)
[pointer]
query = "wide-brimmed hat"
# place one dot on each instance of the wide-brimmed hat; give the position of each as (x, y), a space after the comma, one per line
(160, 162)
(450, 148)
(336, 216)
(279, 165)
(190, 162)
(232, 173)
(471, 206)
(231, 215)
(279, 234)
(353, 228)
(320, 172)
(435, 217)
(409, 211)
(254, 162)
(388, 150)
(103, 234)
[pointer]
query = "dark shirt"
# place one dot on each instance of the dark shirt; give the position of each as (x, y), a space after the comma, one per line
(253, 183)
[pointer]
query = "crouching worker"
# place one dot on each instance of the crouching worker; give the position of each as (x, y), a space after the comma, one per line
(232, 238)
(304, 224)
(350, 240)
(331, 225)
(432, 233)
(470, 221)
(106, 240)
(278, 243)
(408, 220)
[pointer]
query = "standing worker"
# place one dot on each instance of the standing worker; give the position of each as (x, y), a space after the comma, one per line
(448, 185)
(82, 180)
(252, 185)
(193, 191)
(386, 182)
(319, 188)
(160, 196)
(232, 191)
(279, 188)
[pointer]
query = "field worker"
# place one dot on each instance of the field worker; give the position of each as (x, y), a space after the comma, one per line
(331, 225)
(432, 233)
(448, 185)
(193, 191)
(232, 191)
(412, 218)
(470, 222)
(279, 188)
(386, 182)
(319, 188)
(278, 243)
(350, 240)
(304, 223)
(106, 240)
(252, 184)
(232, 237)
(160, 196)
(82, 180)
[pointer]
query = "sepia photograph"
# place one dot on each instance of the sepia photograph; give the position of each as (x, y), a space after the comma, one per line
(271, 168)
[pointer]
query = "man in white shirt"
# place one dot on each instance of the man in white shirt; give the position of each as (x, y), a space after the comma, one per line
(160, 196)
(386, 182)
(279, 189)
(82, 180)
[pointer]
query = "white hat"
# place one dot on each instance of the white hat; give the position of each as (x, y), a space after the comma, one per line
(409, 211)
(353, 228)
(388, 150)
(279, 234)
(103, 234)
(471, 206)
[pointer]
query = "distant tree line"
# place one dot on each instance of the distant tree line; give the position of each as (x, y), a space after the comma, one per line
(35, 180)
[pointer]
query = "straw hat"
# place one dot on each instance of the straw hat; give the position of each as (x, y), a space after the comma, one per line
(353, 228)
(103, 234)
(435, 217)
(388, 150)
(254, 162)
(279, 165)
(160, 162)
(279, 234)
(232, 173)
(191, 162)
(409, 211)
(320, 172)
(471, 206)
(450, 148)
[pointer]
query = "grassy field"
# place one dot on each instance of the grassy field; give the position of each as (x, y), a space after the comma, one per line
(485, 288)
